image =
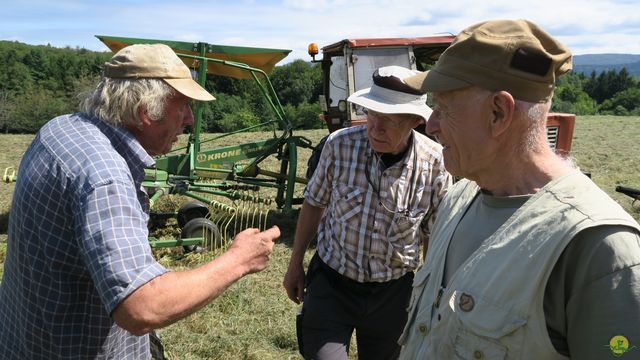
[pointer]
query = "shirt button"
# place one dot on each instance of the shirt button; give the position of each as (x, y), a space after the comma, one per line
(478, 354)
(422, 328)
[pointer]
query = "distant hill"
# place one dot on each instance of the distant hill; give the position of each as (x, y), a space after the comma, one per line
(604, 62)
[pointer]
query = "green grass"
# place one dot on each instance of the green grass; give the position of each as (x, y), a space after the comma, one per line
(251, 320)
(13, 147)
(254, 319)
(609, 148)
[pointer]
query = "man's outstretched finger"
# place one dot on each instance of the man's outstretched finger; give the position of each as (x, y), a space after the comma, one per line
(271, 234)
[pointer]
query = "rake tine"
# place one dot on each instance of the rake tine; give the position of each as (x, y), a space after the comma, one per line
(253, 218)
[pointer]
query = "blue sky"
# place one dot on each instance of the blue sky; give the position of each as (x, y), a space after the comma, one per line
(586, 27)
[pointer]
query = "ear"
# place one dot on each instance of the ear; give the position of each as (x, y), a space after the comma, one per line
(143, 122)
(142, 115)
(502, 111)
(417, 121)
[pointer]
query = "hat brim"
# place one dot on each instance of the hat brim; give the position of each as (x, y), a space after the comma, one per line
(190, 89)
(433, 80)
(365, 99)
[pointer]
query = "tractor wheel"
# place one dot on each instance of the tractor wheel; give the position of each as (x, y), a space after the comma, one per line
(191, 210)
(204, 228)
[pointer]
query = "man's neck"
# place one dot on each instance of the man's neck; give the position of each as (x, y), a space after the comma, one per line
(522, 175)
(389, 159)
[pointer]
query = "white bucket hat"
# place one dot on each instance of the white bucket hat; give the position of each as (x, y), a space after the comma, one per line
(391, 95)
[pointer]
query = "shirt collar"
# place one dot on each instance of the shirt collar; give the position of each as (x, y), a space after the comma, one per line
(127, 146)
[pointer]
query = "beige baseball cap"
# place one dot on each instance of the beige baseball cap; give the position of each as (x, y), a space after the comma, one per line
(516, 56)
(155, 61)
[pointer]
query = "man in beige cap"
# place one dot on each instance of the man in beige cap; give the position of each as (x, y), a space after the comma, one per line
(80, 280)
(528, 258)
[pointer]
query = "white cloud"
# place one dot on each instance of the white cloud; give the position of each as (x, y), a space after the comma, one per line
(586, 27)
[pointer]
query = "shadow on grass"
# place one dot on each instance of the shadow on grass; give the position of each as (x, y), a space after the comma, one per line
(4, 222)
(285, 342)
(287, 224)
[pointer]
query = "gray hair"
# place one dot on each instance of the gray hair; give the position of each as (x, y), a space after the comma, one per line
(536, 115)
(117, 101)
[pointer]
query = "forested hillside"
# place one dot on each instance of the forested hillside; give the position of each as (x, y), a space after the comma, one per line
(607, 93)
(603, 62)
(40, 82)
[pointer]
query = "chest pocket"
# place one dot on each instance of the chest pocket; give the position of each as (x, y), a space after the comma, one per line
(403, 229)
(485, 331)
(348, 205)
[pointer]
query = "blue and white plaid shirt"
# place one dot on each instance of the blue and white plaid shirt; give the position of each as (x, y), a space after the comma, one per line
(77, 244)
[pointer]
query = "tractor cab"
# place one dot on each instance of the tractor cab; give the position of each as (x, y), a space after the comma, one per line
(348, 64)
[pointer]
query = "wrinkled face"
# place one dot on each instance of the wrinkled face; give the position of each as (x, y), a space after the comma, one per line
(459, 122)
(389, 133)
(157, 137)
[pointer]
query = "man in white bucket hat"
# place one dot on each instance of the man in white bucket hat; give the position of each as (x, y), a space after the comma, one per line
(381, 185)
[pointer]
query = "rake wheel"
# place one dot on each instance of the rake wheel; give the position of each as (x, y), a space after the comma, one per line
(190, 211)
(204, 228)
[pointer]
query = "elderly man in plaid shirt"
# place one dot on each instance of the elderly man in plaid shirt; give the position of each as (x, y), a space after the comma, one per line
(80, 281)
(372, 201)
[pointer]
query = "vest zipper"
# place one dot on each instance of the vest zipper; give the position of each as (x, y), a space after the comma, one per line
(437, 302)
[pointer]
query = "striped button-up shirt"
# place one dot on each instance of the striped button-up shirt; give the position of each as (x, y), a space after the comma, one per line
(375, 218)
(77, 244)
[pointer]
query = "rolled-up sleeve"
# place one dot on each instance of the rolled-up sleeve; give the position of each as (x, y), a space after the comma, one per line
(113, 241)
(318, 191)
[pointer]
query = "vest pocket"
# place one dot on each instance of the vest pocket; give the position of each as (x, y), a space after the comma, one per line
(470, 346)
(419, 282)
(485, 330)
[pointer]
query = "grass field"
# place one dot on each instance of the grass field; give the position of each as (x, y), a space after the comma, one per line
(255, 320)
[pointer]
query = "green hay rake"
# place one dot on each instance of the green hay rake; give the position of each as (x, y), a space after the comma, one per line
(226, 184)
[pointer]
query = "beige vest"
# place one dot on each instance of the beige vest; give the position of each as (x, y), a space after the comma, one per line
(492, 307)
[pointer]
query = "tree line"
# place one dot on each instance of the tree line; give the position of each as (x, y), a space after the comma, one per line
(610, 92)
(38, 83)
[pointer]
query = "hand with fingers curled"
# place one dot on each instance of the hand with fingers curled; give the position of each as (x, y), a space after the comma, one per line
(253, 248)
(294, 282)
